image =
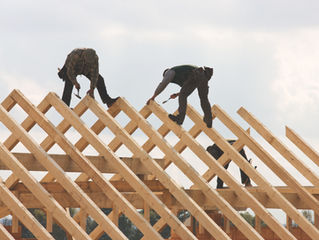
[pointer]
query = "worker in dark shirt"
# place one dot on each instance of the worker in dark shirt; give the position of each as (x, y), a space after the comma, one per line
(83, 61)
(216, 152)
(189, 78)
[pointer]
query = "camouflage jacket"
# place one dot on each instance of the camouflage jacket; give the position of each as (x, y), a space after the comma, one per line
(83, 61)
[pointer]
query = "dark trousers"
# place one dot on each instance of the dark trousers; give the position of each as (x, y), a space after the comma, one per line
(244, 178)
(202, 87)
(68, 87)
(216, 152)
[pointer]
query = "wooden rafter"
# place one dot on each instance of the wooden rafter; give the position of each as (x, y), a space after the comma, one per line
(140, 182)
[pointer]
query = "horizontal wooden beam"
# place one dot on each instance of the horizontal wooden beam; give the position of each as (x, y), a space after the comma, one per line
(102, 201)
(66, 163)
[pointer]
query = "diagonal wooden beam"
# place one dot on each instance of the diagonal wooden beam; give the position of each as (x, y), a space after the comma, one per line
(148, 196)
(129, 176)
(67, 164)
(211, 193)
(223, 160)
(27, 124)
(64, 126)
(276, 168)
(185, 167)
(88, 168)
(13, 203)
(302, 145)
(73, 189)
(242, 193)
(38, 190)
(4, 234)
(282, 149)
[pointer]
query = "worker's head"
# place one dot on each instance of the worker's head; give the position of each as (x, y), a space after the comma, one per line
(62, 73)
(208, 72)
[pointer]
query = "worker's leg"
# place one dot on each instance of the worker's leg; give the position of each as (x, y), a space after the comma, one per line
(67, 91)
(186, 90)
(103, 92)
(220, 182)
(204, 102)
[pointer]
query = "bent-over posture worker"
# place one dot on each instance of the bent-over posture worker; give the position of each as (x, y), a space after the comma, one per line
(86, 62)
(189, 78)
(216, 152)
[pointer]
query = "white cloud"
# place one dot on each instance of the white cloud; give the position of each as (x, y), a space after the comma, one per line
(31, 88)
(296, 87)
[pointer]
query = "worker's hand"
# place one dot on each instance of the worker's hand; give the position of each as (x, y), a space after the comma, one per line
(174, 95)
(77, 86)
(91, 93)
(149, 100)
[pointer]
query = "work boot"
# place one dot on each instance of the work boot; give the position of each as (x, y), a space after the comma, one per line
(111, 101)
(208, 121)
(175, 119)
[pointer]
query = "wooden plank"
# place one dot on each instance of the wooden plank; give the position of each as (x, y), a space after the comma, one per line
(316, 221)
(102, 201)
(127, 174)
(15, 224)
(258, 223)
(87, 167)
(49, 221)
(227, 225)
(83, 218)
(223, 160)
(65, 162)
(4, 234)
(278, 169)
(39, 191)
(158, 226)
(224, 206)
(147, 213)
(178, 193)
(212, 163)
(288, 223)
(282, 149)
(4, 211)
(179, 146)
(160, 174)
(302, 145)
(64, 126)
(52, 166)
(91, 187)
(27, 124)
(115, 215)
(21, 213)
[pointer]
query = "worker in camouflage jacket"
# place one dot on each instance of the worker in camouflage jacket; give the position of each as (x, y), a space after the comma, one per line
(83, 61)
(188, 77)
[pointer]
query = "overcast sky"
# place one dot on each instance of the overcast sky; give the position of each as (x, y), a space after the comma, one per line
(264, 53)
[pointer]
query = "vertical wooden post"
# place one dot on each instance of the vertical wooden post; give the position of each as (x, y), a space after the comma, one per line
(15, 220)
(316, 220)
(288, 223)
(147, 215)
(175, 212)
(83, 218)
(258, 224)
(49, 221)
(227, 225)
(115, 216)
(15, 224)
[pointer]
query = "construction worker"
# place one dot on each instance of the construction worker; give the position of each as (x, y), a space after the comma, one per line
(86, 62)
(189, 78)
(216, 152)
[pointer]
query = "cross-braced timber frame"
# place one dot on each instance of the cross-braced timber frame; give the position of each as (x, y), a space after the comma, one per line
(141, 182)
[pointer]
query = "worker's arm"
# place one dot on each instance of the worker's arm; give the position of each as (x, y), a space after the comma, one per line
(71, 72)
(168, 77)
